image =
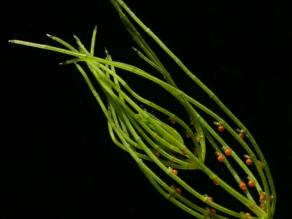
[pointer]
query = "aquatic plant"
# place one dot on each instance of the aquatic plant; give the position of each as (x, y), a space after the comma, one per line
(158, 147)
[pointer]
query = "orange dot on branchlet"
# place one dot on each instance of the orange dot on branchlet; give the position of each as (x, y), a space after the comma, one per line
(241, 135)
(242, 186)
(178, 190)
(262, 197)
(220, 128)
(247, 216)
(209, 199)
(248, 161)
(227, 152)
(251, 183)
(212, 212)
(174, 171)
(220, 157)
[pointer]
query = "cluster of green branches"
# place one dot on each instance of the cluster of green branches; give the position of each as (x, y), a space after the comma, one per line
(157, 147)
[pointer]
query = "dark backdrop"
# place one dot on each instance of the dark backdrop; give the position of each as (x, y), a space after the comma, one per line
(57, 160)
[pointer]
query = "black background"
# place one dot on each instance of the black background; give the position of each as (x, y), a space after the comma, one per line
(57, 160)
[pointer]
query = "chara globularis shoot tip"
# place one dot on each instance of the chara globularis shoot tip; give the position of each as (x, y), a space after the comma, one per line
(157, 145)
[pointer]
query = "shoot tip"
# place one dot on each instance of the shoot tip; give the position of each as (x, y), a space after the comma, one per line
(75, 37)
(137, 51)
(106, 51)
